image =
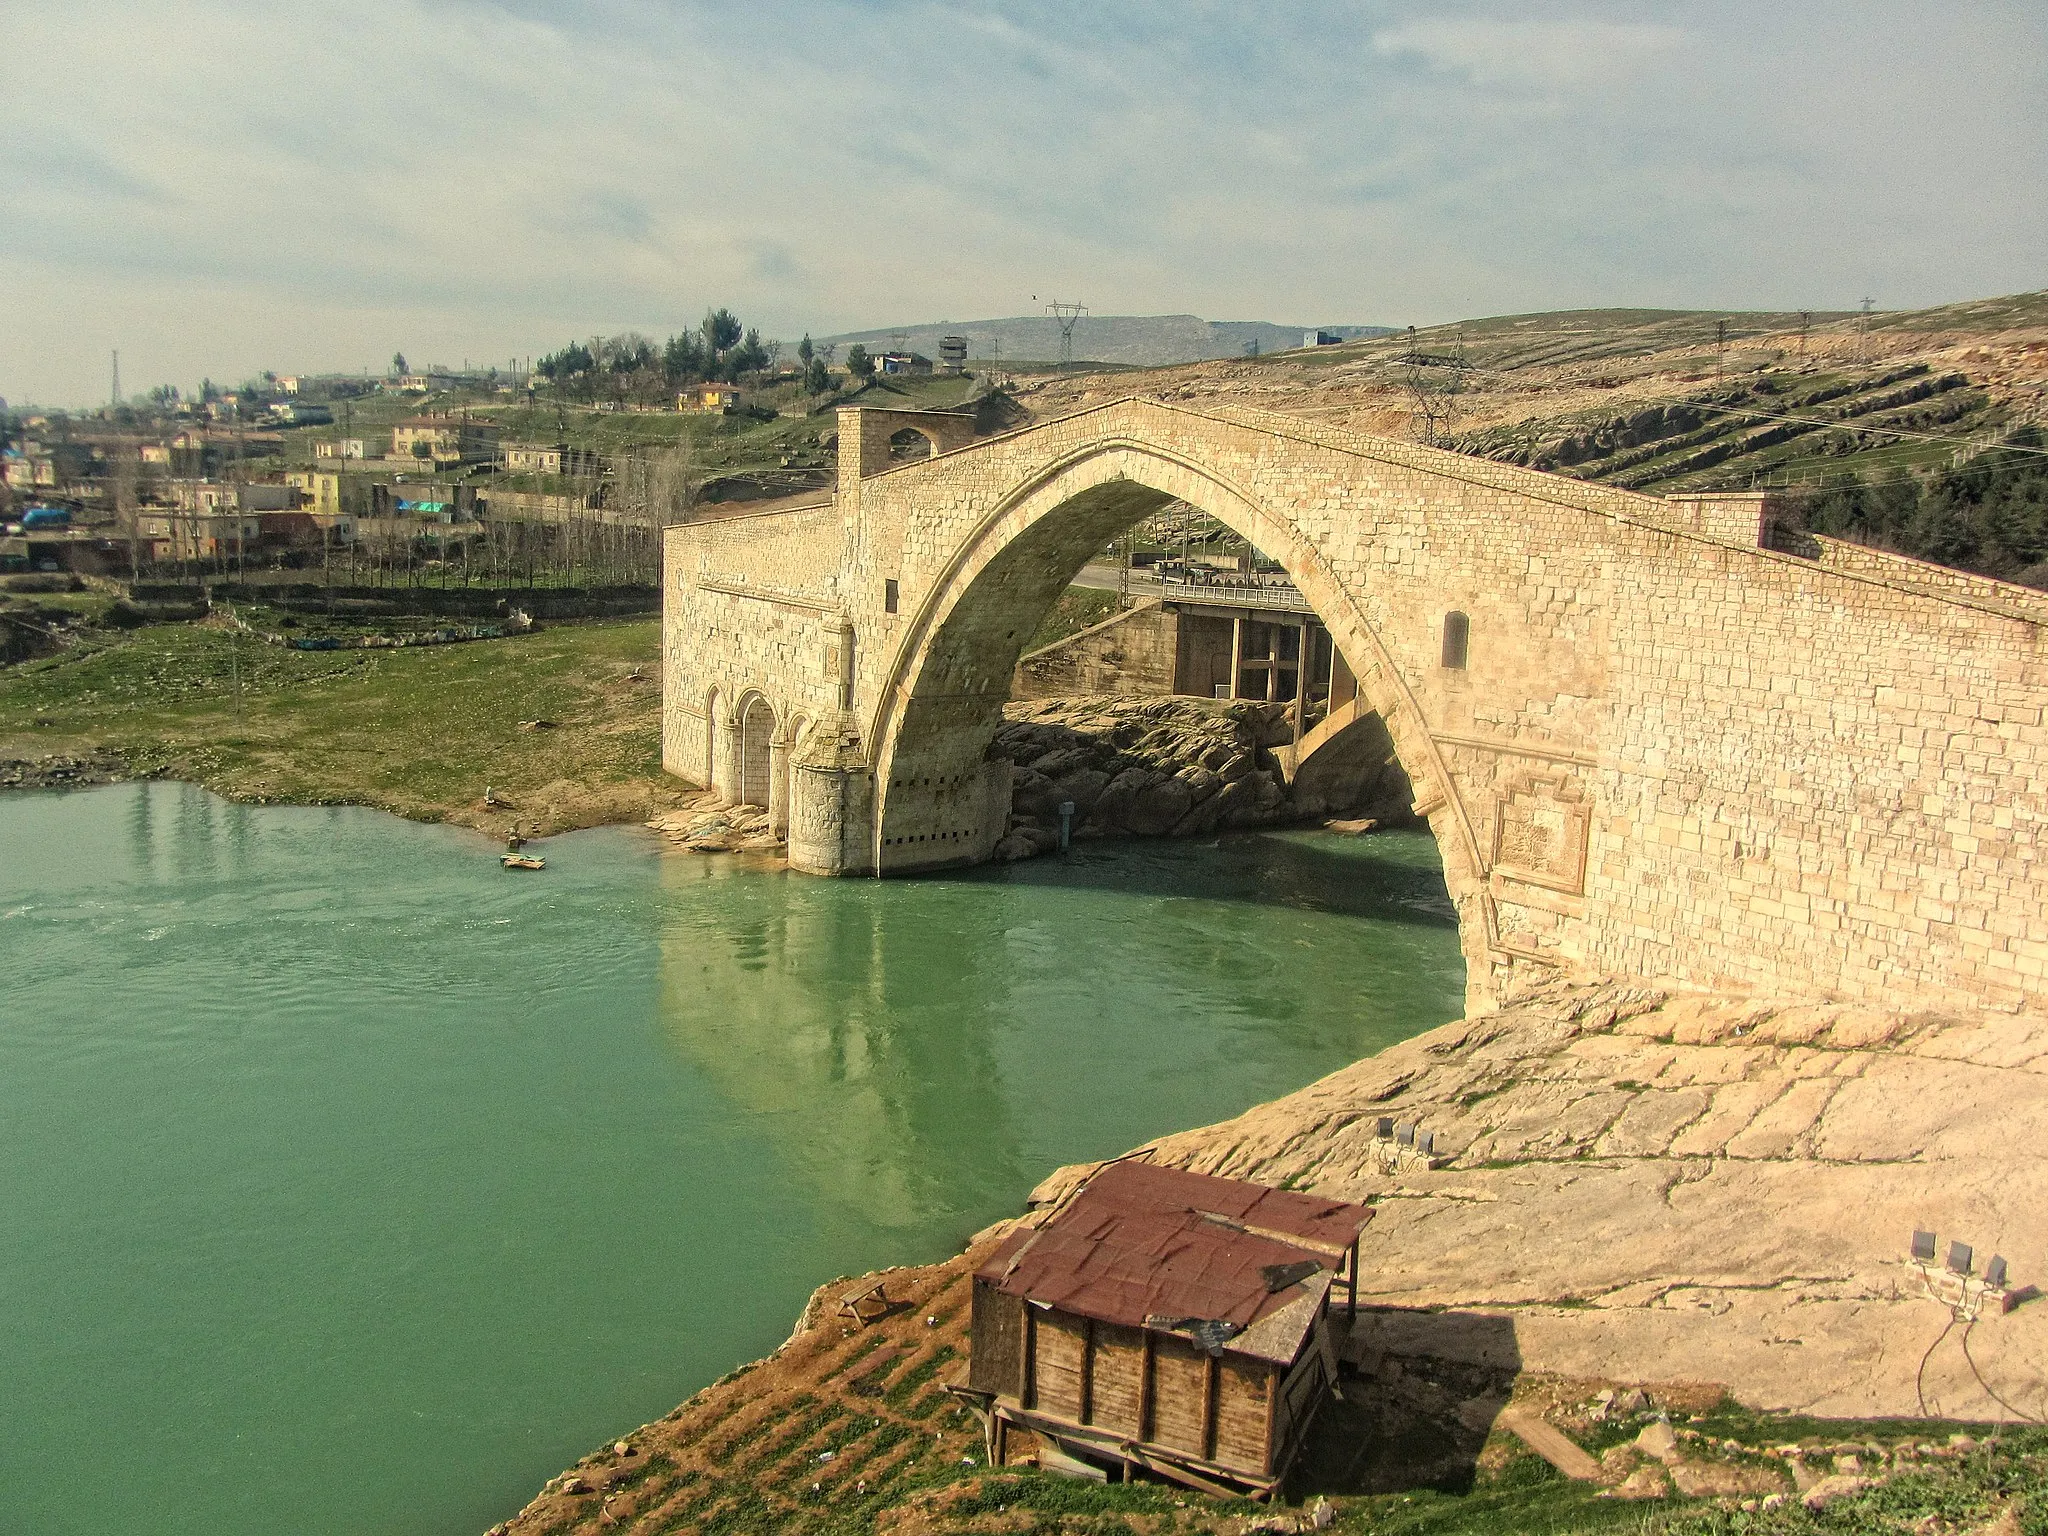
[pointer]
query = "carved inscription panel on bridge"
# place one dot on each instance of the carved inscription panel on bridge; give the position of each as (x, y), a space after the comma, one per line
(1539, 833)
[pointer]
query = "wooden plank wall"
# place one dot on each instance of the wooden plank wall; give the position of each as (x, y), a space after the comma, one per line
(1118, 1380)
(1060, 1351)
(996, 1361)
(1242, 1394)
(1221, 1410)
(1180, 1394)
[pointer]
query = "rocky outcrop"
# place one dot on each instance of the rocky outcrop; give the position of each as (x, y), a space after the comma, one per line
(706, 826)
(58, 771)
(1609, 1182)
(1161, 767)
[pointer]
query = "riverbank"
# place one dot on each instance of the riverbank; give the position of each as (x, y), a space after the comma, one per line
(1708, 1200)
(552, 731)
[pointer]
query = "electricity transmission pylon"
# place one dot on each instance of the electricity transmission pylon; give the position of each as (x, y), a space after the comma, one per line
(1067, 315)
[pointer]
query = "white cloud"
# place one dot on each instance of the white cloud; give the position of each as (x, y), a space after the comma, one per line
(219, 187)
(1488, 51)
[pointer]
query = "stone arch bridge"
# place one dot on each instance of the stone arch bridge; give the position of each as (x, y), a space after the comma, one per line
(1654, 745)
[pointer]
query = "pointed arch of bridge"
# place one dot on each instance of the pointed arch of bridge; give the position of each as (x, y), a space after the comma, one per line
(942, 701)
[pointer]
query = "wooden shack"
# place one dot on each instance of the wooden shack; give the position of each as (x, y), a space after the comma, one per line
(1165, 1320)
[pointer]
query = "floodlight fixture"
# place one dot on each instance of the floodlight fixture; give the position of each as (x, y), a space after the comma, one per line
(1923, 1247)
(1994, 1272)
(1959, 1256)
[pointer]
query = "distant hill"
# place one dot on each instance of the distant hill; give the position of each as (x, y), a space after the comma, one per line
(1144, 340)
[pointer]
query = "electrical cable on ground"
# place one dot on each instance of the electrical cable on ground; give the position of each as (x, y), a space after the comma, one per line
(2020, 1414)
(1920, 1376)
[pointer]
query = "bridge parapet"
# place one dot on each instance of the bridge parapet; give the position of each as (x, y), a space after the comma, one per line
(865, 432)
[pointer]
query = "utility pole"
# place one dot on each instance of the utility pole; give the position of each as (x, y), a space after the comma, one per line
(1720, 346)
(1805, 321)
(115, 399)
(1863, 331)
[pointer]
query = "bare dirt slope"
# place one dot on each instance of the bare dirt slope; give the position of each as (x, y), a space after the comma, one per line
(1543, 389)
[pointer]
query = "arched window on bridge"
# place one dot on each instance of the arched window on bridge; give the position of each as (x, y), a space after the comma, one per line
(908, 446)
(1457, 639)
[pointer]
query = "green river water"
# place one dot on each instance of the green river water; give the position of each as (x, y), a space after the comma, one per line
(349, 1184)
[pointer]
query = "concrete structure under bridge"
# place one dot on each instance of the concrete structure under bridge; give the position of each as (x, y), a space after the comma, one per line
(1646, 742)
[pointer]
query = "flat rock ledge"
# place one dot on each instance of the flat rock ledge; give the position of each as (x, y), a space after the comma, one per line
(1630, 1185)
(707, 825)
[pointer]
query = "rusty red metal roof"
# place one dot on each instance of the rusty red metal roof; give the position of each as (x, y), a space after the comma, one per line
(1139, 1242)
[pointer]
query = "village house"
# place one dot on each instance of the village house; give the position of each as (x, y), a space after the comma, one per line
(46, 466)
(339, 448)
(550, 459)
(319, 489)
(445, 440)
(910, 364)
(710, 399)
(1165, 1321)
(423, 383)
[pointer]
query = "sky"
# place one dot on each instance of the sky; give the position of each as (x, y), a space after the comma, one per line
(222, 187)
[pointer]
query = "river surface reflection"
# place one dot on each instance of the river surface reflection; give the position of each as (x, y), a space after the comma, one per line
(350, 1184)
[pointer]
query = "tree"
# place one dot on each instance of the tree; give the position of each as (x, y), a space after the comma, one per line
(858, 363)
(817, 379)
(721, 328)
(804, 350)
(574, 362)
(682, 360)
(750, 356)
(398, 364)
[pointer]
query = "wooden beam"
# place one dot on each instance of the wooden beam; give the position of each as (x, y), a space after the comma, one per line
(1028, 1397)
(1195, 1472)
(1212, 1376)
(1145, 1389)
(1272, 1413)
(1088, 1371)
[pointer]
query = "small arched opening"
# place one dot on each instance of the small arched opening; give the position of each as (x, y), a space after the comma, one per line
(1457, 641)
(908, 446)
(757, 733)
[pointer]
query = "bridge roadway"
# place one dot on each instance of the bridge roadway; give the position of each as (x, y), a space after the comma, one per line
(1647, 742)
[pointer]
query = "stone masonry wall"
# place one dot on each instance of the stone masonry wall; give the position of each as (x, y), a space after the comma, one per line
(1670, 754)
(1130, 653)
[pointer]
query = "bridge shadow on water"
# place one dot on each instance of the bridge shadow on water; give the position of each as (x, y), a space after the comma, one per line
(1399, 881)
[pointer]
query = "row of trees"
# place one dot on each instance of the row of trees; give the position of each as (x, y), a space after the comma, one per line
(720, 349)
(1988, 515)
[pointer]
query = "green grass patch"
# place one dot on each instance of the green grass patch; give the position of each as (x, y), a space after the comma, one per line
(419, 731)
(1077, 608)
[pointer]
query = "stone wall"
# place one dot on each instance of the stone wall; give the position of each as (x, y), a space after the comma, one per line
(1132, 652)
(1670, 753)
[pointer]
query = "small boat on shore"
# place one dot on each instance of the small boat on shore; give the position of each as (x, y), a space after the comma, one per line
(522, 861)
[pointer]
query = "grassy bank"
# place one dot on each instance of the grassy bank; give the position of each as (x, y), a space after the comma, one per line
(848, 1431)
(563, 725)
